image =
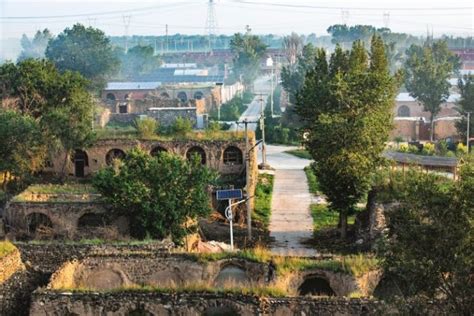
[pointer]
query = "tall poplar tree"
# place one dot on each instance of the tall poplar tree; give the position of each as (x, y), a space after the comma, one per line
(347, 109)
(427, 73)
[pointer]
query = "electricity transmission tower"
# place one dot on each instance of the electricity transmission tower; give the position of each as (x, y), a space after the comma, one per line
(126, 24)
(211, 23)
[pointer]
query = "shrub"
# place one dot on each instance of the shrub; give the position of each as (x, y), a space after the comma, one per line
(461, 149)
(443, 148)
(6, 248)
(403, 148)
(413, 149)
(182, 126)
(146, 127)
(428, 149)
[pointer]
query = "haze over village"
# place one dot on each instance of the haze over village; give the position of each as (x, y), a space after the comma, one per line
(235, 157)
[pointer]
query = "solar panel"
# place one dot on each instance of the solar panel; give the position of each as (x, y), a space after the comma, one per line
(229, 194)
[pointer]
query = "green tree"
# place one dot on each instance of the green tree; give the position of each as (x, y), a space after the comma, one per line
(248, 50)
(427, 72)
(346, 106)
(35, 47)
(429, 248)
(146, 127)
(23, 148)
(466, 105)
(86, 50)
(160, 195)
(139, 60)
(181, 126)
(59, 102)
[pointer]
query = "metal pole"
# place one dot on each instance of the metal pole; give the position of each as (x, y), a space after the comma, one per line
(262, 127)
(467, 132)
(231, 228)
(247, 182)
(271, 93)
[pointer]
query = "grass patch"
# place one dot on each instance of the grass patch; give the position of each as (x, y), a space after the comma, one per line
(312, 180)
(77, 189)
(263, 199)
(300, 153)
(6, 248)
(324, 218)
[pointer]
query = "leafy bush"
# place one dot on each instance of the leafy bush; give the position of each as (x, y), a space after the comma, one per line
(428, 149)
(413, 149)
(161, 195)
(146, 127)
(461, 149)
(442, 148)
(312, 180)
(181, 126)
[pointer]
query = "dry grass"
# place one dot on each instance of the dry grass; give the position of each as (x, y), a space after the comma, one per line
(6, 248)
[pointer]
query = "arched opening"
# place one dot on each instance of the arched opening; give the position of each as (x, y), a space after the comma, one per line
(196, 150)
(233, 156)
(139, 312)
(165, 95)
(81, 161)
(315, 285)
(156, 151)
(110, 97)
(38, 223)
(230, 276)
(91, 220)
(403, 111)
(198, 95)
(221, 311)
(182, 96)
(114, 154)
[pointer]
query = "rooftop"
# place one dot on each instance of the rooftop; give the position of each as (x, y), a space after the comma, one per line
(405, 97)
(433, 161)
(146, 85)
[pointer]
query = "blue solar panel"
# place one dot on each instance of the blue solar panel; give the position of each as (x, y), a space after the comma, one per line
(229, 194)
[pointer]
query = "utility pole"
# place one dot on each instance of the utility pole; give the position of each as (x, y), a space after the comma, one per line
(262, 128)
(467, 131)
(247, 182)
(166, 37)
(126, 23)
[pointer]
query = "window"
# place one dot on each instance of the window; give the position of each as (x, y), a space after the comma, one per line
(110, 97)
(196, 150)
(198, 95)
(403, 111)
(233, 156)
(123, 108)
(114, 154)
(182, 96)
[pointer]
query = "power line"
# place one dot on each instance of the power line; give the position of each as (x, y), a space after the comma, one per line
(305, 6)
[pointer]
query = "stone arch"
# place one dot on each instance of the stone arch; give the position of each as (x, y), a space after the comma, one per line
(196, 150)
(403, 111)
(233, 156)
(37, 221)
(113, 154)
(165, 95)
(182, 96)
(104, 278)
(231, 274)
(91, 220)
(198, 95)
(157, 150)
(110, 97)
(140, 311)
(221, 311)
(80, 160)
(315, 285)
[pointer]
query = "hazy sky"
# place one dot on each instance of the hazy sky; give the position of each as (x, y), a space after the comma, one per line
(264, 16)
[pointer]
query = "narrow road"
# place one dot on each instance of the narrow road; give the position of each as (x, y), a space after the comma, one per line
(291, 224)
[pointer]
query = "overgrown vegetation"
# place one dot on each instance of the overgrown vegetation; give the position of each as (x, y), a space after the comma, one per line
(233, 109)
(6, 248)
(300, 153)
(146, 127)
(324, 218)
(162, 196)
(312, 180)
(263, 199)
(429, 249)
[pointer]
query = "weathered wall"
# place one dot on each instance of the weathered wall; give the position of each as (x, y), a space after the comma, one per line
(50, 303)
(167, 116)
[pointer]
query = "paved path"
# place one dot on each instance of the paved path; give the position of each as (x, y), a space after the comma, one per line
(291, 223)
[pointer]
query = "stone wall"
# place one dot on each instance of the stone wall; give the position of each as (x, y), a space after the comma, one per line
(192, 304)
(167, 116)
(10, 264)
(64, 216)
